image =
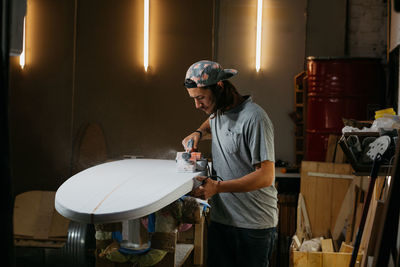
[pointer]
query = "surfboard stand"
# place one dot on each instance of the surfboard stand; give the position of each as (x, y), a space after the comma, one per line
(134, 238)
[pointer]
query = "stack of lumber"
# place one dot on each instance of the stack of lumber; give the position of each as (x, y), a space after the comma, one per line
(329, 210)
(37, 223)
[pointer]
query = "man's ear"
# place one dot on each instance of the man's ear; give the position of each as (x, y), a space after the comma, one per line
(221, 86)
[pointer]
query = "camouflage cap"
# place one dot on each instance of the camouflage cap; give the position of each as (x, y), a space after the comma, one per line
(205, 73)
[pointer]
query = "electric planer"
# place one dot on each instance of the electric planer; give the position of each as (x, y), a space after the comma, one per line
(191, 161)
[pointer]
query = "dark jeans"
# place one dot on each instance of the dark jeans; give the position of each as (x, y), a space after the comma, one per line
(232, 246)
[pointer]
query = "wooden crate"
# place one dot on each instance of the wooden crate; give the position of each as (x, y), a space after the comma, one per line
(321, 259)
(324, 186)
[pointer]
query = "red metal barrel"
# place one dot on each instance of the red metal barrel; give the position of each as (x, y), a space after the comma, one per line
(351, 88)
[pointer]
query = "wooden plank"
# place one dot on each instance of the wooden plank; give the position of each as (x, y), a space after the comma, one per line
(346, 209)
(323, 195)
(164, 241)
(330, 259)
(323, 207)
(363, 181)
(59, 225)
(314, 259)
(331, 150)
(342, 198)
(182, 252)
(366, 235)
(308, 188)
(326, 245)
(340, 157)
(198, 255)
(26, 209)
(342, 260)
(299, 259)
(380, 185)
(307, 225)
(357, 218)
(375, 228)
(299, 223)
(45, 215)
(346, 248)
(39, 243)
(352, 218)
(322, 259)
(36, 218)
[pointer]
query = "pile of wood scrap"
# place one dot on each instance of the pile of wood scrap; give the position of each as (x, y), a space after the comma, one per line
(320, 252)
(37, 223)
(329, 211)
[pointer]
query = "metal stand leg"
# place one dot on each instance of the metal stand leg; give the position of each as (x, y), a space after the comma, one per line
(133, 238)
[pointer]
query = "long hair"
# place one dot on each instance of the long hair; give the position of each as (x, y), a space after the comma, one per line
(224, 97)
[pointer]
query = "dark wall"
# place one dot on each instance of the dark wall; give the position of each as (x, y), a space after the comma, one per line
(40, 98)
(84, 64)
(326, 28)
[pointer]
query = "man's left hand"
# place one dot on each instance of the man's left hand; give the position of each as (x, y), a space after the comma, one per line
(207, 189)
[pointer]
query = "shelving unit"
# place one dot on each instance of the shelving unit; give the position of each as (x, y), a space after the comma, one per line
(299, 115)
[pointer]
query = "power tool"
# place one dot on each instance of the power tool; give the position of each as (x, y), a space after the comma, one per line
(191, 161)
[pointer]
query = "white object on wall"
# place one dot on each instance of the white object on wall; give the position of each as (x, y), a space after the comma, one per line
(18, 12)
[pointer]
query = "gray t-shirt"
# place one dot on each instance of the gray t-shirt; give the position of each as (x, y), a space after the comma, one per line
(241, 138)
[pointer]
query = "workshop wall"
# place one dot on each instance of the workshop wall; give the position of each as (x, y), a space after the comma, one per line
(84, 64)
(367, 28)
(282, 57)
(326, 28)
(40, 98)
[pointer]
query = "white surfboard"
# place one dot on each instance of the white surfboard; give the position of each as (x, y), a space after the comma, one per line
(121, 190)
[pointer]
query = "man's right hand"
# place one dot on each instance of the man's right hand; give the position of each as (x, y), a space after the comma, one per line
(196, 138)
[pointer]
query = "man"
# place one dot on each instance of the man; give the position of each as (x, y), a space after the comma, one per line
(244, 212)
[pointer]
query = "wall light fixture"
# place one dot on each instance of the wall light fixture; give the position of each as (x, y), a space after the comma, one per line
(259, 28)
(22, 56)
(146, 35)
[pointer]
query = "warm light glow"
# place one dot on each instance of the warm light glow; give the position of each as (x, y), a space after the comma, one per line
(22, 56)
(146, 35)
(258, 44)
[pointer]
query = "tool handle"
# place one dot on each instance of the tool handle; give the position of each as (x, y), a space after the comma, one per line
(189, 145)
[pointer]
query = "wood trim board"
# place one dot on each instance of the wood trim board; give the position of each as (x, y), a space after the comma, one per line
(121, 190)
(323, 192)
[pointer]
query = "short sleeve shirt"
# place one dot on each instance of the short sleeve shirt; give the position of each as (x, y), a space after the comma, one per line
(242, 137)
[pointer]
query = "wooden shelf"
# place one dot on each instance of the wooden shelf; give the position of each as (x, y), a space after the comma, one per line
(300, 92)
(182, 252)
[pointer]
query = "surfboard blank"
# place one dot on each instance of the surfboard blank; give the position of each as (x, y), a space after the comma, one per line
(121, 190)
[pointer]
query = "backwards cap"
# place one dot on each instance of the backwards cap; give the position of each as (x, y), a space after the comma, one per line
(205, 73)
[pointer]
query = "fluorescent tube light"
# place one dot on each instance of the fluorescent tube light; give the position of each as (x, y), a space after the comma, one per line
(258, 42)
(22, 56)
(146, 35)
